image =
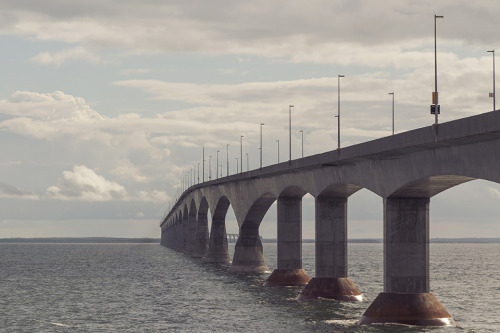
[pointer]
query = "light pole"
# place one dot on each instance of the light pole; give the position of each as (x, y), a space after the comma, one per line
(227, 159)
(248, 163)
(198, 173)
(290, 131)
(435, 96)
(302, 132)
(221, 170)
(391, 93)
(241, 153)
(236, 164)
(261, 124)
(217, 166)
(338, 110)
(278, 141)
(494, 92)
(203, 174)
(210, 167)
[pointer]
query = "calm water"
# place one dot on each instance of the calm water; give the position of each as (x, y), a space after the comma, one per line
(149, 288)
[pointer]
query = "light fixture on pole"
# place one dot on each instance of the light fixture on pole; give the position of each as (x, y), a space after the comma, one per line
(241, 153)
(227, 159)
(217, 166)
(290, 131)
(493, 94)
(261, 124)
(435, 109)
(391, 93)
(338, 110)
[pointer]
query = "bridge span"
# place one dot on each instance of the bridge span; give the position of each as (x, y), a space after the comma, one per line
(406, 170)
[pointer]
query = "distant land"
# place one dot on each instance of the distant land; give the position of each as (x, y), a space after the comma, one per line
(269, 240)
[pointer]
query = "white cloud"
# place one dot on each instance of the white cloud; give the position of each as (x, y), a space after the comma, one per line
(9, 191)
(58, 58)
(85, 184)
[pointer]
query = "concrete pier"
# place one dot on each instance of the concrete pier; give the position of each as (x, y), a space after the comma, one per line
(289, 271)
(191, 231)
(406, 298)
(331, 281)
(202, 237)
(248, 252)
(217, 249)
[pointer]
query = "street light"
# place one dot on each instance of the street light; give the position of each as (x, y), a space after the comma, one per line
(241, 153)
(261, 124)
(338, 110)
(217, 166)
(203, 174)
(302, 132)
(227, 159)
(435, 95)
(210, 167)
(278, 141)
(494, 92)
(198, 173)
(290, 130)
(391, 93)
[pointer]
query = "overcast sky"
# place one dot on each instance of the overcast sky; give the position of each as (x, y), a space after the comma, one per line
(106, 105)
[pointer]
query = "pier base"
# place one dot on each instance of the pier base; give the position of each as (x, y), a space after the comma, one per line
(288, 278)
(340, 289)
(422, 309)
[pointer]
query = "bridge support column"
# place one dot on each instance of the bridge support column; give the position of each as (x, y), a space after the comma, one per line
(191, 234)
(202, 237)
(217, 249)
(248, 252)
(406, 298)
(289, 271)
(331, 279)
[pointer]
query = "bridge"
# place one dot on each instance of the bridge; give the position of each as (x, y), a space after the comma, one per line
(406, 170)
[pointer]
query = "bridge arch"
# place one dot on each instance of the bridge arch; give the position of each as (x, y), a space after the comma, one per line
(218, 248)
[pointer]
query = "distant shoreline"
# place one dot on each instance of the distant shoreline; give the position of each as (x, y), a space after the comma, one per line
(90, 240)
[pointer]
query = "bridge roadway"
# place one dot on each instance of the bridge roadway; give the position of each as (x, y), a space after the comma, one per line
(405, 170)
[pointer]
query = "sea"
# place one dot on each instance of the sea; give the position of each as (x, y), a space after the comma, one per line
(150, 288)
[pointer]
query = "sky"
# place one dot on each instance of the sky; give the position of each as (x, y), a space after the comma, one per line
(105, 105)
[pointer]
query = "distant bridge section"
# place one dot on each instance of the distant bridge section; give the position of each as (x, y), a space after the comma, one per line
(406, 170)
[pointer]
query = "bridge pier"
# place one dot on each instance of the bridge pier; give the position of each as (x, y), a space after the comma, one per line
(217, 249)
(191, 233)
(331, 279)
(248, 252)
(202, 237)
(406, 298)
(289, 271)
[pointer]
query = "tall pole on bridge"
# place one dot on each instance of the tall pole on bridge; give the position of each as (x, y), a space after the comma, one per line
(391, 93)
(217, 166)
(203, 174)
(435, 97)
(261, 124)
(198, 173)
(210, 167)
(290, 131)
(227, 159)
(338, 110)
(302, 132)
(494, 92)
(241, 153)
(236, 164)
(278, 141)
(248, 163)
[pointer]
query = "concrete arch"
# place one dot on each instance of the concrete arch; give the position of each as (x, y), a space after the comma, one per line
(218, 248)
(339, 190)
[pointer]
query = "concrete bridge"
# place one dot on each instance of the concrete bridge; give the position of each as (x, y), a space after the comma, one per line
(406, 170)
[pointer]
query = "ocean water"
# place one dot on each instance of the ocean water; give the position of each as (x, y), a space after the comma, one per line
(150, 288)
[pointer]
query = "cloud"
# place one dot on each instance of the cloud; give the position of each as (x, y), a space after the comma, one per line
(9, 191)
(85, 184)
(58, 58)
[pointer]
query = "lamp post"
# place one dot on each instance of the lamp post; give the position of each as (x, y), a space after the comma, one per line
(203, 174)
(198, 173)
(236, 164)
(217, 166)
(210, 167)
(494, 92)
(248, 163)
(278, 141)
(290, 131)
(227, 159)
(261, 124)
(391, 93)
(338, 110)
(435, 97)
(241, 153)
(302, 132)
